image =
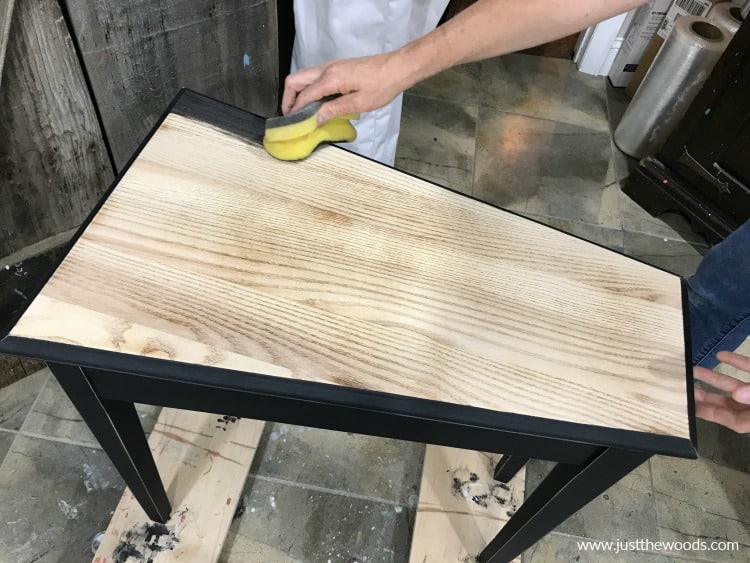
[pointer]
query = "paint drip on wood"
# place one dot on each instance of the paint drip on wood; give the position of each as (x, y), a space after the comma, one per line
(482, 492)
(225, 421)
(145, 541)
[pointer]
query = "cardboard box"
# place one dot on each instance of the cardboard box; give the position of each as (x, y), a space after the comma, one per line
(646, 22)
(678, 9)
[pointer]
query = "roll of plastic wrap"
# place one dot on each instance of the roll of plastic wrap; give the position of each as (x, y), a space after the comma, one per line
(744, 7)
(726, 15)
(677, 74)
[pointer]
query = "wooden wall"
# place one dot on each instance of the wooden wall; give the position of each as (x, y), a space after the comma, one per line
(83, 82)
(138, 54)
(53, 162)
(6, 12)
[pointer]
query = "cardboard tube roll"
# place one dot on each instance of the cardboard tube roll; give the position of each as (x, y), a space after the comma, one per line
(677, 74)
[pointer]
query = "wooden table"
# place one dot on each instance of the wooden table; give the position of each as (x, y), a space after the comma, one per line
(340, 293)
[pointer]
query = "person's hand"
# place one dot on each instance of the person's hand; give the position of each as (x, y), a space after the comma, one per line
(732, 411)
(365, 84)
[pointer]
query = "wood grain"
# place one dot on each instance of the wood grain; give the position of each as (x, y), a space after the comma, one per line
(461, 508)
(203, 460)
(140, 53)
(340, 270)
(53, 163)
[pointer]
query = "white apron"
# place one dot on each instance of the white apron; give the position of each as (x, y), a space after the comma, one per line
(337, 29)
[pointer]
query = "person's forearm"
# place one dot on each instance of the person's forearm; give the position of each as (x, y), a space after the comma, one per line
(486, 29)
(490, 28)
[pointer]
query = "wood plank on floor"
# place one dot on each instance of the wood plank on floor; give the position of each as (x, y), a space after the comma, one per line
(203, 460)
(461, 508)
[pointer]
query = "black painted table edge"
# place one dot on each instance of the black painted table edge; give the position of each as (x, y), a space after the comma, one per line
(532, 428)
(100, 384)
(250, 127)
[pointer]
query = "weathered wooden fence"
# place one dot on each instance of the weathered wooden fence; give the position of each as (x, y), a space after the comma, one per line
(84, 81)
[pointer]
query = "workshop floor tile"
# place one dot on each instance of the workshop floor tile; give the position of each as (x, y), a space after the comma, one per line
(54, 497)
(6, 439)
(700, 500)
(668, 225)
(681, 521)
(720, 491)
(675, 256)
(561, 547)
(617, 103)
(625, 511)
(609, 238)
(545, 88)
(16, 399)
(55, 416)
(545, 168)
(524, 85)
(372, 467)
(437, 142)
(723, 446)
(462, 85)
(293, 523)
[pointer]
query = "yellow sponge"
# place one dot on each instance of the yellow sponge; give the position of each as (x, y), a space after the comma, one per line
(295, 136)
(336, 130)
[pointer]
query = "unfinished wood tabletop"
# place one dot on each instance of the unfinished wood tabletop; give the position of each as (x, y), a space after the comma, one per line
(340, 270)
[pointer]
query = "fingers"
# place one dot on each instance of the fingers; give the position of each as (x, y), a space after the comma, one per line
(343, 105)
(732, 412)
(739, 421)
(296, 83)
(705, 398)
(313, 84)
(742, 394)
(365, 84)
(735, 360)
(718, 380)
(324, 86)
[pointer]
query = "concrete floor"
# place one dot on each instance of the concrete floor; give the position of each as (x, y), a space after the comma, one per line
(522, 132)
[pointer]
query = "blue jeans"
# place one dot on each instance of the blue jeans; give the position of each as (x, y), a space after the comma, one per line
(719, 298)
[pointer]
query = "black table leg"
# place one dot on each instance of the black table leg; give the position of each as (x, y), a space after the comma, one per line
(566, 489)
(117, 427)
(508, 466)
